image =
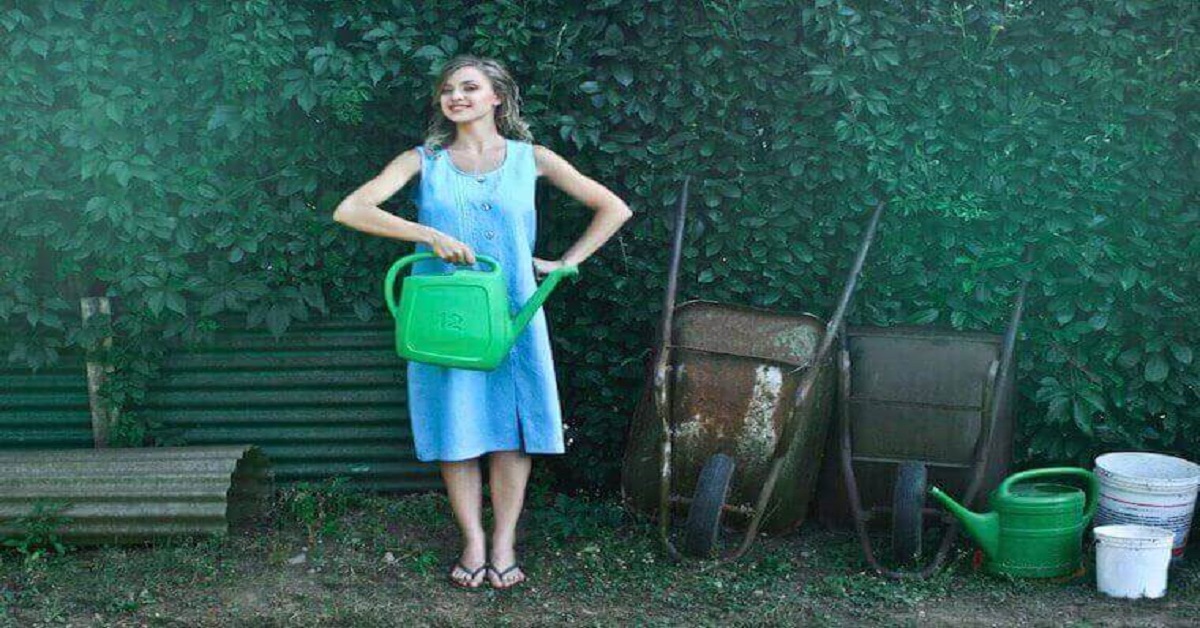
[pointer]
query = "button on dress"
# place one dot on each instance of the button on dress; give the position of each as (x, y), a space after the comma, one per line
(459, 414)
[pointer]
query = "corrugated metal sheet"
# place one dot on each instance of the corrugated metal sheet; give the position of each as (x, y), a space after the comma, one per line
(326, 399)
(130, 495)
(45, 409)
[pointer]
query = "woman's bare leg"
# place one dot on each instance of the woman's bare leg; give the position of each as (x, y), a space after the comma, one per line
(509, 471)
(464, 484)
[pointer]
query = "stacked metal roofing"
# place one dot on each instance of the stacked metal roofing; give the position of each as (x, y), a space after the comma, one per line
(130, 495)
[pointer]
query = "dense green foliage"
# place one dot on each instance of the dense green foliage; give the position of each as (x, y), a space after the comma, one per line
(186, 160)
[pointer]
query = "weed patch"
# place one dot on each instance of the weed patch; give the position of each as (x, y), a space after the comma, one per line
(39, 531)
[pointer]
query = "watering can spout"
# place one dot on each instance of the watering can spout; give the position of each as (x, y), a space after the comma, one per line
(985, 528)
(538, 298)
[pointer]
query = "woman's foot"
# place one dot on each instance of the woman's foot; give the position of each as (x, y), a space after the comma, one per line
(506, 578)
(469, 578)
(470, 569)
(504, 572)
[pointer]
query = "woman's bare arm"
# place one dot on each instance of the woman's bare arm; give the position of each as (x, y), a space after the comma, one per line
(610, 211)
(360, 210)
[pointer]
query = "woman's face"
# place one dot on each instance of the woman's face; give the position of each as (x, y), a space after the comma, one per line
(467, 95)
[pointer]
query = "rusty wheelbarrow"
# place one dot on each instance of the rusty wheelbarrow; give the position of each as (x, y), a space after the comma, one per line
(733, 388)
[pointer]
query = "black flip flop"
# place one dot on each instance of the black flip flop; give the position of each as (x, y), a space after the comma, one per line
(501, 574)
(471, 578)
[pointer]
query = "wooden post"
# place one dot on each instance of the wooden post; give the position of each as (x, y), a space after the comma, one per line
(103, 415)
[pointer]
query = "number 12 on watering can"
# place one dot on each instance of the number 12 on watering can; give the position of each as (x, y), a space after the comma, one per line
(460, 319)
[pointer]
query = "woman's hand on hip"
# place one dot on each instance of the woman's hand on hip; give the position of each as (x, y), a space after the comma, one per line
(451, 250)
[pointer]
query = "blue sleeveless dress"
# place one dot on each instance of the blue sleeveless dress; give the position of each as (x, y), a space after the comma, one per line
(460, 414)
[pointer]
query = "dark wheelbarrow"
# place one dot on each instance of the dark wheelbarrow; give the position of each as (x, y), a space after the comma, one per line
(735, 413)
(918, 404)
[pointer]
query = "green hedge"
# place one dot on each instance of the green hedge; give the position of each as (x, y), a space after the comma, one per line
(185, 159)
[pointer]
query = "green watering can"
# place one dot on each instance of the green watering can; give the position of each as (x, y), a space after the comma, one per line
(1036, 530)
(460, 319)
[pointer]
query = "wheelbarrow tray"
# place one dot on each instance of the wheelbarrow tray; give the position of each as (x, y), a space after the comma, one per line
(918, 394)
(735, 370)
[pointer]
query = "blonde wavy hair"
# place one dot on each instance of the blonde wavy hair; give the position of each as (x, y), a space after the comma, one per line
(508, 113)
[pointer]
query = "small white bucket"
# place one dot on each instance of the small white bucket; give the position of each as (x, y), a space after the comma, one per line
(1150, 490)
(1132, 561)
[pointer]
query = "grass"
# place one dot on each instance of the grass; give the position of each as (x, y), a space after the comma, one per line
(590, 562)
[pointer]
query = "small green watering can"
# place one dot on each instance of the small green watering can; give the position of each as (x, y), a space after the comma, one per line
(460, 319)
(1037, 529)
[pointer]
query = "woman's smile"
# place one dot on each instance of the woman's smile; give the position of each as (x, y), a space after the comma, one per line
(467, 91)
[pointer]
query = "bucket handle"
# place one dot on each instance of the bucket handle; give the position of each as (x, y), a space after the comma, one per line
(389, 282)
(1092, 492)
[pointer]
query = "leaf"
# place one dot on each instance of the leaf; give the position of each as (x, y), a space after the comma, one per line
(278, 319)
(113, 111)
(429, 52)
(1129, 358)
(589, 87)
(376, 72)
(1128, 277)
(156, 301)
(176, 303)
(1083, 418)
(1057, 410)
(891, 57)
(120, 170)
(1182, 352)
(924, 317)
(1156, 369)
(1094, 399)
(623, 76)
(69, 9)
(306, 99)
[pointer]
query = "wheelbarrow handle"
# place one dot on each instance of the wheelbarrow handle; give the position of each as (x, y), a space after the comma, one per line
(662, 375)
(832, 331)
(807, 385)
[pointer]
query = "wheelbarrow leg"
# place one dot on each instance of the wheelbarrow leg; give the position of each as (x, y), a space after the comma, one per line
(661, 410)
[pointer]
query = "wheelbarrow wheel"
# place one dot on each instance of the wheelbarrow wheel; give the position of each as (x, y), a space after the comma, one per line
(704, 515)
(908, 502)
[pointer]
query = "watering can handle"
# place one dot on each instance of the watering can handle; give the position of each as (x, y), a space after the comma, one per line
(565, 271)
(1093, 484)
(389, 282)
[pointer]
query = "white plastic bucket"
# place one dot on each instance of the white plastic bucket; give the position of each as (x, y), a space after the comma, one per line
(1150, 490)
(1132, 561)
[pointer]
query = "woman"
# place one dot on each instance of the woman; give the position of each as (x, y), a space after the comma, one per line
(478, 170)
